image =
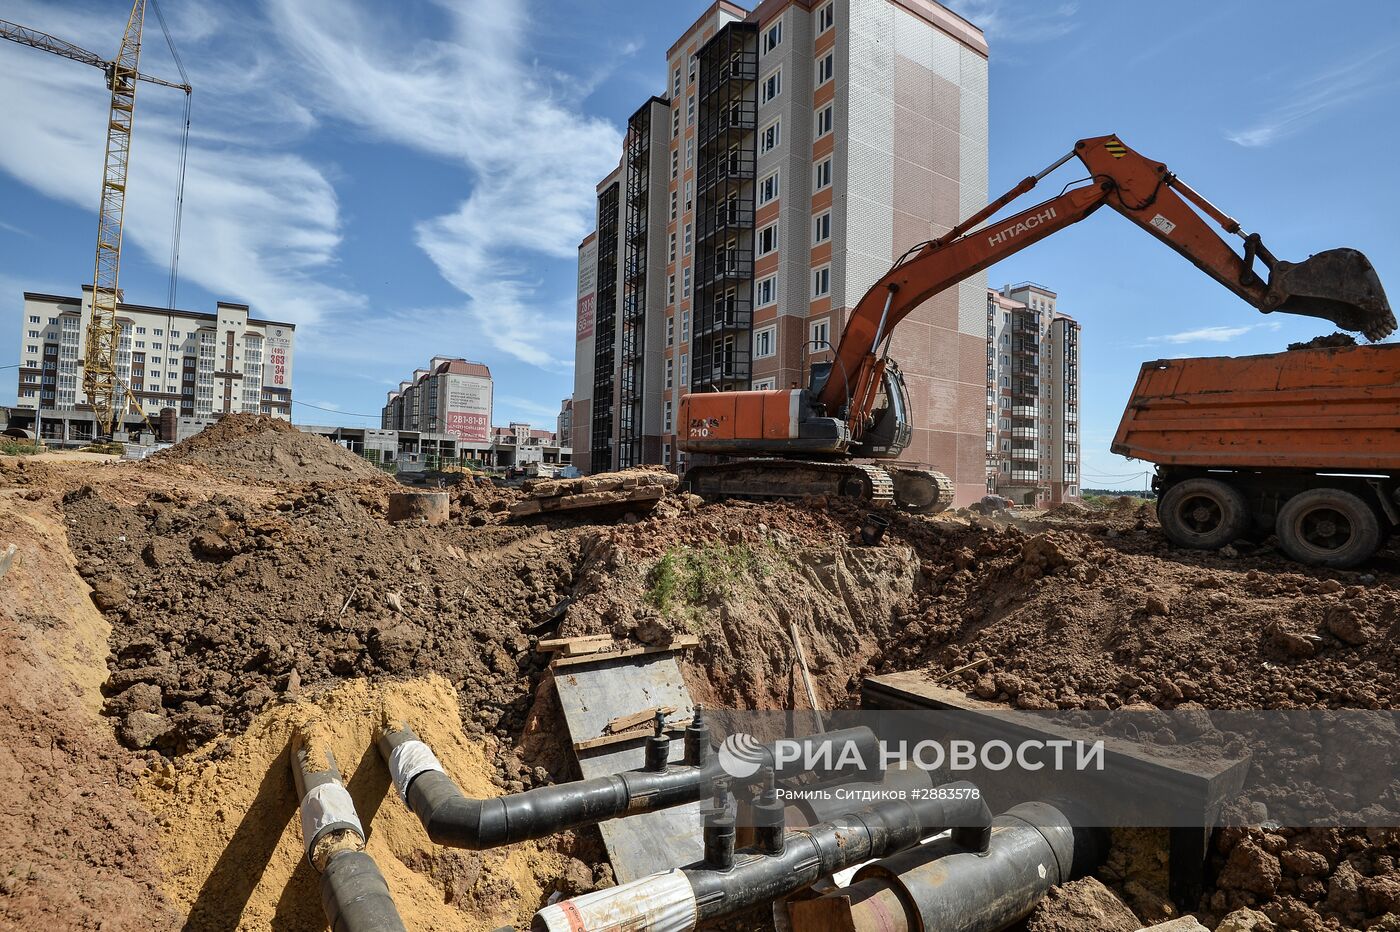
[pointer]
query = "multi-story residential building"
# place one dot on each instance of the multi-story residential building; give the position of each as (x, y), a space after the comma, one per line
(1032, 396)
(199, 365)
(564, 423)
(451, 396)
(798, 150)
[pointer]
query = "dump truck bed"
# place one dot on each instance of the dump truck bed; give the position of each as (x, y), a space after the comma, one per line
(1318, 409)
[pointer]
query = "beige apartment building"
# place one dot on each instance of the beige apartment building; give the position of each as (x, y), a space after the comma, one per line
(199, 365)
(450, 397)
(1032, 396)
(796, 151)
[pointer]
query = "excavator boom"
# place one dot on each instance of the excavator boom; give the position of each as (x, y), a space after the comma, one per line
(1337, 285)
(857, 405)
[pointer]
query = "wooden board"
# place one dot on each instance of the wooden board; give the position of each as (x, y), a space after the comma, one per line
(677, 644)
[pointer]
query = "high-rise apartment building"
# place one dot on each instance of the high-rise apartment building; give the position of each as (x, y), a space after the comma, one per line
(797, 150)
(201, 365)
(1032, 396)
(451, 396)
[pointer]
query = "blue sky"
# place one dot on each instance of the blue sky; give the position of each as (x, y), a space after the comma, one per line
(415, 182)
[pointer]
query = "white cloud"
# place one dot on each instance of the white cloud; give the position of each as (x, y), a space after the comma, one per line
(1005, 21)
(1218, 334)
(472, 95)
(261, 224)
(1309, 99)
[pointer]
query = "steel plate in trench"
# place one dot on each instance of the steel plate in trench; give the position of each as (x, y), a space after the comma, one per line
(597, 691)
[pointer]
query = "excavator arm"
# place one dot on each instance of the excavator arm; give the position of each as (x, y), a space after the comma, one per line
(1337, 285)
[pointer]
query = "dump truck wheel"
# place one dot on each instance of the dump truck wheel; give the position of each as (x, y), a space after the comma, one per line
(1204, 514)
(1328, 527)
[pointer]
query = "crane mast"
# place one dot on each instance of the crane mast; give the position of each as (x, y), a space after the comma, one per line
(103, 331)
(100, 384)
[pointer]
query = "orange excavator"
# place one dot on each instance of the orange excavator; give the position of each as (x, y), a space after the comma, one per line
(806, 441)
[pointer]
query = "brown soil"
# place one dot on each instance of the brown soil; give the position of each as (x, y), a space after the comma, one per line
(76, 849)
(234, 607)
(262, 448)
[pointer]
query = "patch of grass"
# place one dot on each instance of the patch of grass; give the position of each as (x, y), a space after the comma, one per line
(20, 448)
(687, 578)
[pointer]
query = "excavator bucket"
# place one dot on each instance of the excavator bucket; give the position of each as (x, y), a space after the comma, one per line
(1339, 285)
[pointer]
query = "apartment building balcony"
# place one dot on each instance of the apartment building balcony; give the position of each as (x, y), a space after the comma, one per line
(730, 167)
(1025, 433)
(735, 215)
(1025, 476)
(1027, 411)
(1026, 451)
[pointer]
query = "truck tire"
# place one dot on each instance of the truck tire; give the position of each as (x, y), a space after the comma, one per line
(1328, 527)
(1204, 514)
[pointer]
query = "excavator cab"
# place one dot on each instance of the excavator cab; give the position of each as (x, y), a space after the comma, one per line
(890, 431)
(1339, 285)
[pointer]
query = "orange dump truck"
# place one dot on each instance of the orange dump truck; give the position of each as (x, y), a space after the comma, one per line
(1303, 444)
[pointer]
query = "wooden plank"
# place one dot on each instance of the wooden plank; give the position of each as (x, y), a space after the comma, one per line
(672, 728)
(633, 719)
(571, 647)
(680, 643)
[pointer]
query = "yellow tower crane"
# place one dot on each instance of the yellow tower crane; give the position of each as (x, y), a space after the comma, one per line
(100, 383)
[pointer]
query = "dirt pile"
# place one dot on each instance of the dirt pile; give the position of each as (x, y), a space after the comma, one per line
(76, 849)
(219, 605)
(231, 842)
(258, 447)
(743, 577)
(1130, 619)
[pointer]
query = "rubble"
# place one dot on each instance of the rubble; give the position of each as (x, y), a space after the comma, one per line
(635, 489)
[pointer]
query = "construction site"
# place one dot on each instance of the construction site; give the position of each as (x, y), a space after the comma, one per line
(779, 660)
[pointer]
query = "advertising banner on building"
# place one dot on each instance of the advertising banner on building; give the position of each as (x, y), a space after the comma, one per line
(277, 364)
(587, 291)
(469, 408)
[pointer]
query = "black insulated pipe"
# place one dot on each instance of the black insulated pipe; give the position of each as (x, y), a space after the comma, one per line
(942, 886)
(686, 897)
(353, 892)
(457, 821)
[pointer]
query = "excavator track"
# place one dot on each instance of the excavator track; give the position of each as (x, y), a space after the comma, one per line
(784, 478)
(921, 491)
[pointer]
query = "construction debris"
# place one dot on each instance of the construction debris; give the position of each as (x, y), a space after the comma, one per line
(638, 489)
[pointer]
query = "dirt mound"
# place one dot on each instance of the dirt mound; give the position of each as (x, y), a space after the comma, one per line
(77, 851)
(743, 577)
(231, 842)
(1331, 341)
(219, 605)
(259, 447)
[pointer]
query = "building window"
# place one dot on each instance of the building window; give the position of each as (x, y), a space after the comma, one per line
(821, 282)
(772, 86)
(765, 342)
(685, 368)
(685, 283)
(765, 291)
(31, 348)
(821, 334)
(826, 68)
(675, 122)
(689, 195)
(821, 227)
(824, 119)
(675, 201)
(676, 83)
(671, 255)
(666, 427)
(685, 327)
(768, 189)
(826, 17)
(823, 174)
(670, 374)
(33, 334)
(773, 37)
(33, 319)
(670, 289)
(765, 385)
(141, 330)
(675, 162)
(768, 239)
(689, 237)
(690, 109)
(770, 137)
